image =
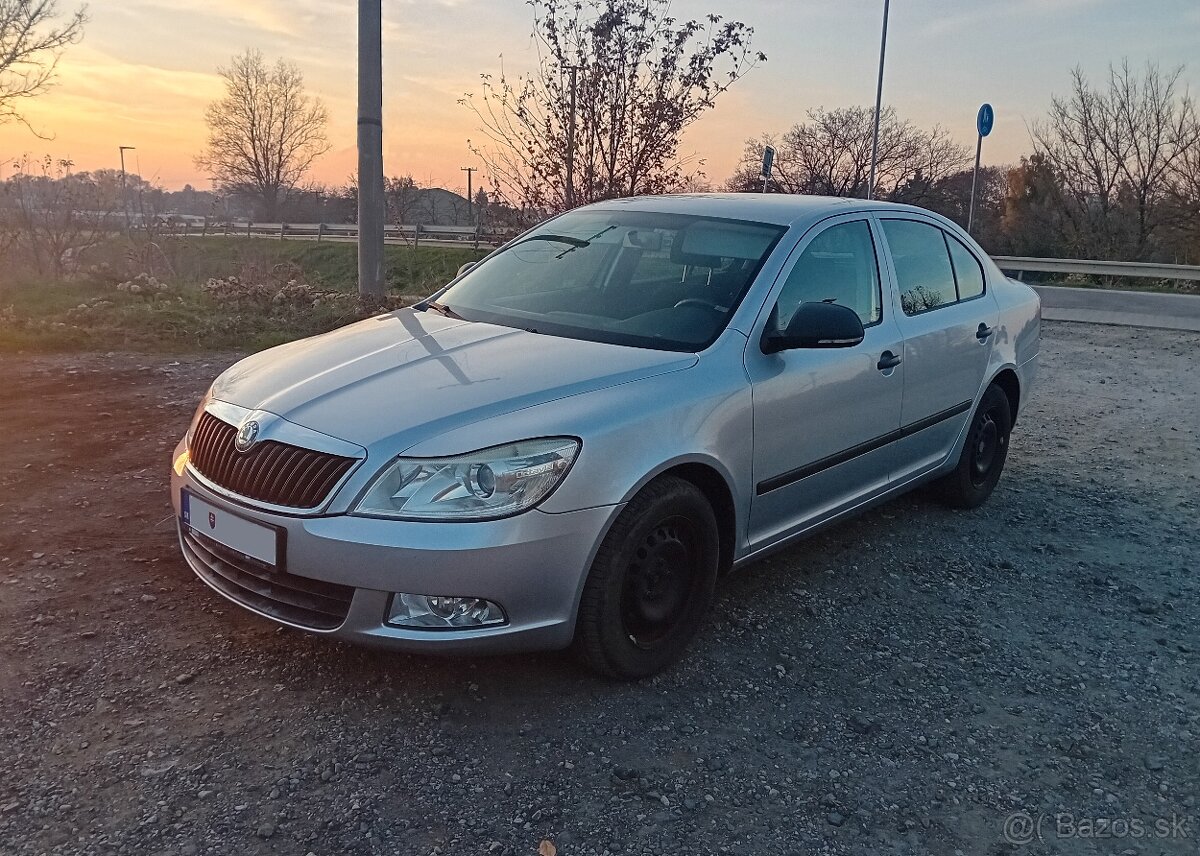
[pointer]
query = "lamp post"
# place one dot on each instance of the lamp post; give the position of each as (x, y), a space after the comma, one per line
(470, 199)
(370, 148)
(574, 69)
(124, 192)
(878, 103)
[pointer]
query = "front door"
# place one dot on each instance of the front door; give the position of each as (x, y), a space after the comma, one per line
(824, 419)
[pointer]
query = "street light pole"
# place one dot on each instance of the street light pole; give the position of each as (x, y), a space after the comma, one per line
(878, 102)
(470, 199)
(574, 69)
(370, 148)
(124, 192)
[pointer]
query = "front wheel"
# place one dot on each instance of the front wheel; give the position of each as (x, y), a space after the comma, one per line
(651, 583)
(983, 455)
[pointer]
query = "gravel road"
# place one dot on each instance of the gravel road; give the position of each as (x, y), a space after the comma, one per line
(915, 681)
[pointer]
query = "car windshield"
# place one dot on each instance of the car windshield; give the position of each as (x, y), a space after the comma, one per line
(663, 281)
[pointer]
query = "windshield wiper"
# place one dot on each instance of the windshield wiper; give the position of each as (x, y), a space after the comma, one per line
(588, 242)
(576, 243)
(440, 309)
(562, 239)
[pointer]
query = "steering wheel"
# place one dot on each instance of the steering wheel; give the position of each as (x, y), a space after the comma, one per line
(702, 303)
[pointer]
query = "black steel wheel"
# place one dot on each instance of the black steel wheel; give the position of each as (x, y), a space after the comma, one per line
(651, 582)
(983, 455)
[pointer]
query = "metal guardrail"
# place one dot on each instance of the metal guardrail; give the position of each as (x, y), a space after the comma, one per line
(413, 235)
(1144, 270)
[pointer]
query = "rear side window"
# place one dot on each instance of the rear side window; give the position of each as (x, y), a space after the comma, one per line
(838, 266)
(923, 270)
(966, 269)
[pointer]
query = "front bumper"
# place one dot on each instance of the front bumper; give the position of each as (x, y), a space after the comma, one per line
(533, 565)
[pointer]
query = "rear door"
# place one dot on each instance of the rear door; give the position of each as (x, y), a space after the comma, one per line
(947, 318)
(824, 419)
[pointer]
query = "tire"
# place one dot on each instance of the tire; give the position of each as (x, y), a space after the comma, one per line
(651, 583)
(984, 452)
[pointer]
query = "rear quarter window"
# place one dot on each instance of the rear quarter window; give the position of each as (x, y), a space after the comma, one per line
(967, 269)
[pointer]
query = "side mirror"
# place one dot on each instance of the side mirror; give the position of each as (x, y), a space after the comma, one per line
(817, 325)
(464, 269)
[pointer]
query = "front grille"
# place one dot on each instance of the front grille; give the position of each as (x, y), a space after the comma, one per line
(305, 602)
(273, 472)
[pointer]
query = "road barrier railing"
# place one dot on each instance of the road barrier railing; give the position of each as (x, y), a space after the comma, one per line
(1138, 270)
(412, 235)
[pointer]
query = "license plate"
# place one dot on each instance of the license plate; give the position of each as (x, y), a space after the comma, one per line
(255, 540)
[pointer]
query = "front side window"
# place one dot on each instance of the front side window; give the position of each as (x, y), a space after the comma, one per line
(923, 271)
(838, 266)
(663, 281)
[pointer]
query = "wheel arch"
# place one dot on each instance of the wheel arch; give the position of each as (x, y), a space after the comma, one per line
(1010, 385)
(716, 486)
(716, 490)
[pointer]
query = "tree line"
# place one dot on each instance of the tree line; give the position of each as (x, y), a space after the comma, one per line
(1113, 169)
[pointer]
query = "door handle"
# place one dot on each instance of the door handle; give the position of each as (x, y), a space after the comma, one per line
(887, 360)
(983, 332)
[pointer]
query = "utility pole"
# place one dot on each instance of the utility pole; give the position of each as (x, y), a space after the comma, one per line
(878, 103)
(124, 192)
(370, 148)
(574, 69)
(470, 199)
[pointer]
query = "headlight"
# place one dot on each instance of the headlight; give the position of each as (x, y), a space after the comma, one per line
(482, 485)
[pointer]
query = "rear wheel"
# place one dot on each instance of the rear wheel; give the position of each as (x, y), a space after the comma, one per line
(651, 582)
(983, 455)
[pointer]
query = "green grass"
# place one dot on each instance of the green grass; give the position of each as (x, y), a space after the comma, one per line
(330, 264)
(89, 312)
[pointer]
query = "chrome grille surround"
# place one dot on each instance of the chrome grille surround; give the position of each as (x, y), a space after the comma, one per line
(290, 468)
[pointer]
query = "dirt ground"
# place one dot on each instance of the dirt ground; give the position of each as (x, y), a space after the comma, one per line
(1024, 678)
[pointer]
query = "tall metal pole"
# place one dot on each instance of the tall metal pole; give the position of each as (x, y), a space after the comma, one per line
(878, 103)
(470, 199)
(574, 69)
(974, 181)
(370, 148)
(124, 191)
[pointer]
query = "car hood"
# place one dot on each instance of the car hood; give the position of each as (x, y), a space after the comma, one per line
(408, 376)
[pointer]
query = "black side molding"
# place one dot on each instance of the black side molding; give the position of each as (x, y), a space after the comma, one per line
(793, 476)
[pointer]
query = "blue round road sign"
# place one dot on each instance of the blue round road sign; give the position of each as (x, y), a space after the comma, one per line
(985, 119)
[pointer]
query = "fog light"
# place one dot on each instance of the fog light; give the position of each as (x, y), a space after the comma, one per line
(434, 612)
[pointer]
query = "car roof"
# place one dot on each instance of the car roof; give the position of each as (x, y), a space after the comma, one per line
(782, 209)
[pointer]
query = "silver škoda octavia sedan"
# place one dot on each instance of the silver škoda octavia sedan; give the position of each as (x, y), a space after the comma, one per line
(571, 442)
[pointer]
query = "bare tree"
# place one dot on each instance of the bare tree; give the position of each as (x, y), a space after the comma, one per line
(641, 77)
(403, 197)
(264, 135)
(32, 39)
(1183, 209)
(55, 214)
(1114, 152)
(830, 155)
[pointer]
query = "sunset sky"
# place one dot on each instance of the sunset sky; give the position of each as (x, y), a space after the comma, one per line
(147, 68)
